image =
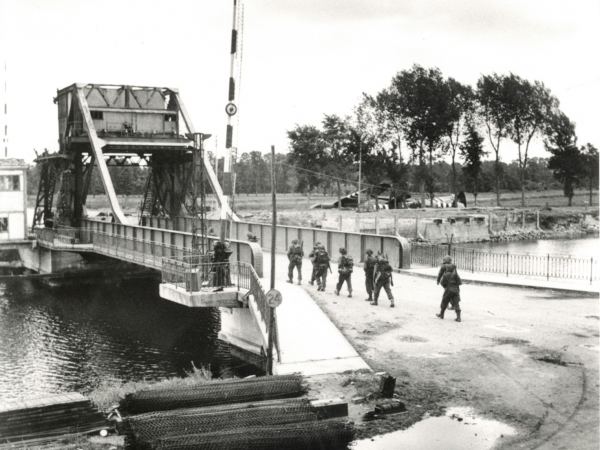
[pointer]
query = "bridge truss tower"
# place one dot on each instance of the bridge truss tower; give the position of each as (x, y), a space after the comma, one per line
(117, 125)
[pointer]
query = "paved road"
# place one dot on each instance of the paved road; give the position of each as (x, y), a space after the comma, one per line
(526, 357)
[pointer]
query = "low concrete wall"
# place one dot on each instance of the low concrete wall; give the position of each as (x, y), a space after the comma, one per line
(441, 232)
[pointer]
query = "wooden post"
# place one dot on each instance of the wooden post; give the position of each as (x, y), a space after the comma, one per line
(523, 220)
(273, 244)
(395, 223)
(548, 268)
(376, 224)
(417, 225)
(507, 255)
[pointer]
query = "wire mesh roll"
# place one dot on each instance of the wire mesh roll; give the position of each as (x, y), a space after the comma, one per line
(215, 393)
(319, 435)
(142, 431)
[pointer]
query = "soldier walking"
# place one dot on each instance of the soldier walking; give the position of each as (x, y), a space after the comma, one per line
(450, 281)
(383, 279)
(313, 260)
(322, 262)
(369, 267)
(295, 254)
(345, 268)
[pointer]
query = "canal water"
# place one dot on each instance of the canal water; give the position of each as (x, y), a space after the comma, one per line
(587, 246)
(55, 340)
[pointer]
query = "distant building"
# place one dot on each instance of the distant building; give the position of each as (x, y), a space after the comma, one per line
(13, 199)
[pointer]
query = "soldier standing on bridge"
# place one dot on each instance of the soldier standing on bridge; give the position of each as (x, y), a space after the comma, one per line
(295, 254)
(345, 268)
(450, 281)
(383, 279)
(313, 260)
(322, 262)
(369, 266)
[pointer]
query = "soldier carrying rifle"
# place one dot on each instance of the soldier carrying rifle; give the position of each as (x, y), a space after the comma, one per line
(383, 279)
(295, 254)
(345, 268)
(313, 259)
(322, 263)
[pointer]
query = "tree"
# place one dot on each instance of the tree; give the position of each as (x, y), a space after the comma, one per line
(337, 161)
(460, 109)
(528, 108)
(566, 162)
(472, 151)
(420, 98)
(590, 155)
(307, 151)
(491, 97)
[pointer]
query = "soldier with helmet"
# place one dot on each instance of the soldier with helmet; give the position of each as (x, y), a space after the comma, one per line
(295, 254)
(450, 281)
(345, 268)
(312, 256)
(383, 279)
(369, 267)
(322, 263)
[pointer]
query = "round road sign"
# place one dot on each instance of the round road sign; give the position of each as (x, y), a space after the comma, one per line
(231, 109)
(274, 298)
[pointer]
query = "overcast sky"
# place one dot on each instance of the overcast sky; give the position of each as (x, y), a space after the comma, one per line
(301, 58)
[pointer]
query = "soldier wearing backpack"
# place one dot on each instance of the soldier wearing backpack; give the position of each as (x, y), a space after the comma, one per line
(313, 260)
(345, 268)
(295, 254)
(383, 279)
(369, 266)
(450, 280)
(322, 263)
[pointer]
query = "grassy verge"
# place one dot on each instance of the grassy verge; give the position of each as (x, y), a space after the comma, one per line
(111, 392)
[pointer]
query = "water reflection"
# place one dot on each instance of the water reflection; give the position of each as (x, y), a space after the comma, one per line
(70, 339)
(579, 246)
(458, 430)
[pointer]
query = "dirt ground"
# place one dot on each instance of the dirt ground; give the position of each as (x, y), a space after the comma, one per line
(525, 357)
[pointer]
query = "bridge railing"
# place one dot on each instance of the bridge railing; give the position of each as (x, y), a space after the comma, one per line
(149, 245)
(536, 265)
(198, 277)
(396, 247)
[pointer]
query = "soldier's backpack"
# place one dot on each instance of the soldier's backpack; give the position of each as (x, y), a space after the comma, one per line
(348, 263)
(322, 257)
(450, 277)
(383, 266)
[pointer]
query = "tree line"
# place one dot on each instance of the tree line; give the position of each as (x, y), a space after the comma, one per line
(402, 132)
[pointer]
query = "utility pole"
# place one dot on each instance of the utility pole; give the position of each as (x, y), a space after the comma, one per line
(273, 244)
(359, 169)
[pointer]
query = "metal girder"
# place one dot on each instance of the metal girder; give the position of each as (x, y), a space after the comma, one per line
(97, 145)
(212, 177)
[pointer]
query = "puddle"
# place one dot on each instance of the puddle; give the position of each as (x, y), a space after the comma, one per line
(411, 339)
(459, 429)
(590, 347)
(508, 328)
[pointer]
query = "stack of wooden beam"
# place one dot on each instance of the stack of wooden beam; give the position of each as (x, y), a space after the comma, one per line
(49, 416)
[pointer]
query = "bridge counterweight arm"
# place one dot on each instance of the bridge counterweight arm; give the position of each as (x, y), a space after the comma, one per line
(97, 145)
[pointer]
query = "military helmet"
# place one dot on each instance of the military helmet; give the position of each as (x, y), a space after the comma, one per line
(295, 241)
(369, 252)
(317, 244)
(343, 251)
(447, 259)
